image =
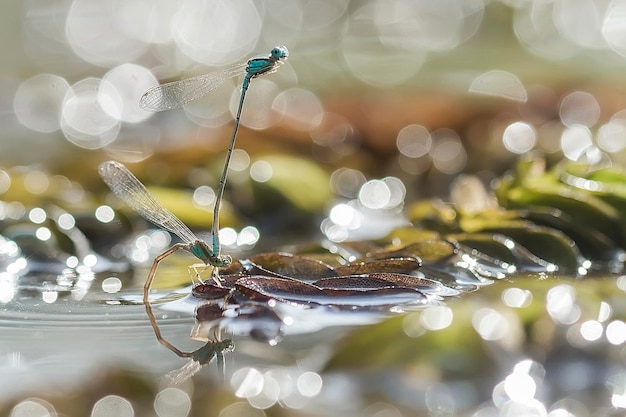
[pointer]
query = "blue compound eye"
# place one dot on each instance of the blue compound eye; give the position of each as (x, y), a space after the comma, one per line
(279, 52)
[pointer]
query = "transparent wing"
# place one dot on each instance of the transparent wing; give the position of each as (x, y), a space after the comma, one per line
(183, 373)
(128, 188)
(179, 93)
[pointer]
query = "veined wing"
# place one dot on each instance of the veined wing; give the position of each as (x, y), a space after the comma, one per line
(179, 93)
(128, 188)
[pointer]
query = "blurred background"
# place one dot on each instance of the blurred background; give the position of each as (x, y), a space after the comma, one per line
(413, 91)
(404, 87)
(381, 102)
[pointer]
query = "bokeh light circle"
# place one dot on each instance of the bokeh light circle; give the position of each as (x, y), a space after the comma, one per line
(519, 137)
(84, 121)
(125, 84)
(38, 102)
(216, 32)
(301, 109)
(98, 35)
(373, 60)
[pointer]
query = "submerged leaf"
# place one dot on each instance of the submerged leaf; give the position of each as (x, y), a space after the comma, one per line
(390, 345)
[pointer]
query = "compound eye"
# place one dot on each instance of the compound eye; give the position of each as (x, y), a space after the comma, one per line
(279, 52)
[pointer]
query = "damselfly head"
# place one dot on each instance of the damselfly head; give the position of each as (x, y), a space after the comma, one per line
(279, 52)
(222, 261)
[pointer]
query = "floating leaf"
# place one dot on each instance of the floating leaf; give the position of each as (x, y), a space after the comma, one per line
(433, 215)
(399, 265)
(210, 290)
(288, 265)
(427, 251)
(380, 280)
(547, 243)
(408, 234)
(504, 248)
(581, 206)
(591, 242)
(260, 288)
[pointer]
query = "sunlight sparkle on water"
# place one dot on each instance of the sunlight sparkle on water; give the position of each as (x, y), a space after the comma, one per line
(301, 109)
(8, 247)
(172, 402)
(8, 287)
(33, 407)
(591, 330)
(437, 317)
(520, 387)
(382, 194)
(37, 215)
(491, 325)
(560, 304)
(240, 160)
(414, 141)
(43, 233)
(228, 236)
(111, 285)
(36, 182)
(248, 236)
(66, 221)
(515, 395)
(559, 412)
(605, 311)
(5, 183)
(240, 409)
(611, 136)
(90, 260)
(448, 153)
(269, 393)
(261, 171)
(17, 265)
(247, 382)
(84, 121)
(347, 182)
(374, 194)
(618, 384)
(105, 214)
(440, 400)
(616, 332)
(49, 296)
(309, 384)
(38, 102)
(516, 297)
(120, 91)
(204, 196)
(575, 140)
(345, 215)
(71, 261)
(579, 108)
(519, 137)
(112, 405)
(501, 84)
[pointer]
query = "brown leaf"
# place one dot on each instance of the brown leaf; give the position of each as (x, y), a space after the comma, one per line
(399, 265)
(288, 265)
